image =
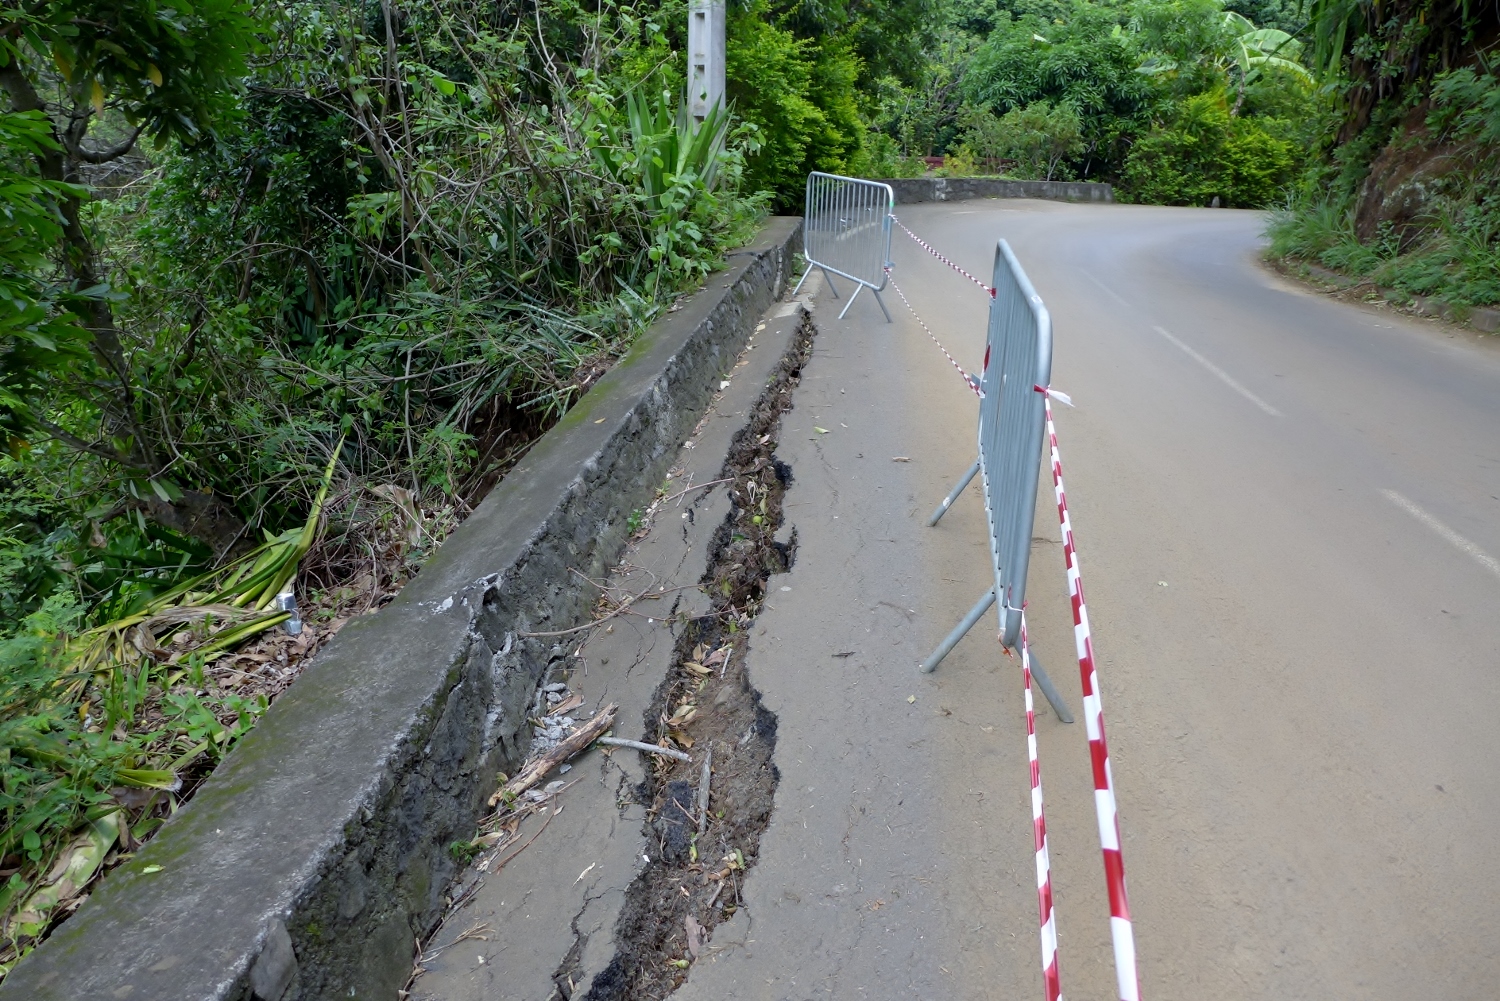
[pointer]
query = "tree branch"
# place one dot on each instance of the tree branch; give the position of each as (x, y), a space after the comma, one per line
(77, 443)
(77, 150)
(23, 96)
(80, 262)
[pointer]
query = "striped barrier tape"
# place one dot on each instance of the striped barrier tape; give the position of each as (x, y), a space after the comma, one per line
(1051, 983)
(972, 382)
(1121, 932)
(931, 250)
(1120, 929)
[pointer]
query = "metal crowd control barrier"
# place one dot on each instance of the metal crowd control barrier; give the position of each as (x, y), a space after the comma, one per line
(1018, 358)
(846, 231)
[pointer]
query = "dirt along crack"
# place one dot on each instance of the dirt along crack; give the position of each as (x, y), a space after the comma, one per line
(706, 705)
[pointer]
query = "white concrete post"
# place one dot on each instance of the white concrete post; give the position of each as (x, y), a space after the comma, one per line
(705, 57)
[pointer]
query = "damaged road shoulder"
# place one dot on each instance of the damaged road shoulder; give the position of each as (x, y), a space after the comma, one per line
(540, 913)
(705, 816)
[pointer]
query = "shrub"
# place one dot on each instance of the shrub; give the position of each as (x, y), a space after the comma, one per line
(799, 93)
(1035, 141)
(1082, 58)
(1259, 164)
(1203, 154)
(881, 157)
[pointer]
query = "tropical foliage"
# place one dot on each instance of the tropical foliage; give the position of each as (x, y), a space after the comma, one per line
(1402, 189)
(1029, 142)
(1178, 101)
(1204, 155)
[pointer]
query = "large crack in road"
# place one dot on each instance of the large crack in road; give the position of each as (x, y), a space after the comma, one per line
(693, 879)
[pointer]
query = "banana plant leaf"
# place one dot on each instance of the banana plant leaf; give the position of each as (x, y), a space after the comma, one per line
(74, 869)
(231, 595)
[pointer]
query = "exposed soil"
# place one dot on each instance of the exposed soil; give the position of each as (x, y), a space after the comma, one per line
(1407, 177)
(707, 704)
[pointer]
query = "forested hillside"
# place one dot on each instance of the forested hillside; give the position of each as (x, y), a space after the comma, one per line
(286, 286)
(1181, 102)
(1404, 189)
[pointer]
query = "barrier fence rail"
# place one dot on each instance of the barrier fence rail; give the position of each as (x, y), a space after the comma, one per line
(1015, 410)
(1018, 355)
(846, 231)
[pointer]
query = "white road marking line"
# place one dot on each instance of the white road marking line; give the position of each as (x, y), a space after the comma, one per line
(1108, 291)
(1483, 558)
(1228, 379)
(1224, 376)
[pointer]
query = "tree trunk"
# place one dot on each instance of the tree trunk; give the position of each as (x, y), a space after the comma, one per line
(78, 250)
(200, 515)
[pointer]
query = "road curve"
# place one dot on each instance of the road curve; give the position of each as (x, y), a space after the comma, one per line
(1288, 517)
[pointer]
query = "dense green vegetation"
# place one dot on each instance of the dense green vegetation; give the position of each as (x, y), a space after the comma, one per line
(246, 245)
(1179, 102)
(286, 285)
(1404, 189)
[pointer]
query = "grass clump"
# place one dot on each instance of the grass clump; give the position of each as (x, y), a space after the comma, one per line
(1449, 249)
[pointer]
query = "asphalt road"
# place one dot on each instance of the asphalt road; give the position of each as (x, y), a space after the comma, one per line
(1287, 517)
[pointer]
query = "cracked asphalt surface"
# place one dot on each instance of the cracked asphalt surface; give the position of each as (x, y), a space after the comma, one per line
(556, 906)
(1286, 512)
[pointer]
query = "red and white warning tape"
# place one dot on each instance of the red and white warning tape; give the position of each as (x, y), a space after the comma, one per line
(1121, 931)
(972, 382)
(928, 247)
(1093, 713)
(1050, 980)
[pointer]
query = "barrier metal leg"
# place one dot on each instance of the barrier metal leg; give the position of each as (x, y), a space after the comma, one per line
(930, 664)
(857, 290)
(826, 277)
(942, 508)
(882, 306)
(1039, 675)
(800, 281)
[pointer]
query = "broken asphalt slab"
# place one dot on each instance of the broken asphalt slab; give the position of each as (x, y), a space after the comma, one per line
(545, 924)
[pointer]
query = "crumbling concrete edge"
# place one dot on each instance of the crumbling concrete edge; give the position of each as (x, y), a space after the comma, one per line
(318, 854)
(910, 190)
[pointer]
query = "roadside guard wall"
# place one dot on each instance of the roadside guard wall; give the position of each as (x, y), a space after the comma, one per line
(910, 190)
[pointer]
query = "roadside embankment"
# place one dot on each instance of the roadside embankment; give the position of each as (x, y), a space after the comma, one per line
(318, 854)
(1482, 318)
(610, 888)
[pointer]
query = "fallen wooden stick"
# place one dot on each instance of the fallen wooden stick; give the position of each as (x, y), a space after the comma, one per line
(637, 745)
(699, 486)
(537, 768)
(703, 781)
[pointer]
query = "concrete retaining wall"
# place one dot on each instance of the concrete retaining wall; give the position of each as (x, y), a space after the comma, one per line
(952, 189)
(311, 862)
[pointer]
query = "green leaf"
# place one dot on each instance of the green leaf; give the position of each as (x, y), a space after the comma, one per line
(147, 778)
